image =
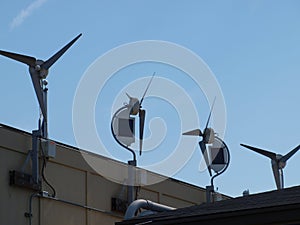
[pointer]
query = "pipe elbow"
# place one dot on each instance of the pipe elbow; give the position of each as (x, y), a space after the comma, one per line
(145, 204)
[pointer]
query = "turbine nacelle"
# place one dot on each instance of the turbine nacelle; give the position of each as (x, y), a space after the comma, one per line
(133, 105)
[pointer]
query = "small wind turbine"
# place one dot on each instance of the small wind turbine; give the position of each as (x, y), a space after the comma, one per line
(38, 70)
(123, 129)
(208, 136)
(217, 155)
(278, 162)
(135, 107)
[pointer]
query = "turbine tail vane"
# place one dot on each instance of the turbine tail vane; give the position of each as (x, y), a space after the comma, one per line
(30, 61)
(46, 65)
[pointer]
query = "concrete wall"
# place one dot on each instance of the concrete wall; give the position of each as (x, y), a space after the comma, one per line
(75, 181)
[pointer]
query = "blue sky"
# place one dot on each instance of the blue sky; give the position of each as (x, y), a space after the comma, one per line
(252, 47)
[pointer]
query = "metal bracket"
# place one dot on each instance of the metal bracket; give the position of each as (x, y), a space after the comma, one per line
(22, 179)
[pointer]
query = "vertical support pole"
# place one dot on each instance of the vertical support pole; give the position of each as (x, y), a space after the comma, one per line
(45, 119)
(281, 179)
(35, 156)
(131, 181)
(209, 193)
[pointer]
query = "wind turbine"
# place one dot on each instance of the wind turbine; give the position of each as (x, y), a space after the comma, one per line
(39, 70)
(278, 162)
(217, 155)
(123, 129)
(208, 136)
(135, 107)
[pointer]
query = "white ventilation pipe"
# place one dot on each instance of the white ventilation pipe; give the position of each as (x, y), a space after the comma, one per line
(145, 204)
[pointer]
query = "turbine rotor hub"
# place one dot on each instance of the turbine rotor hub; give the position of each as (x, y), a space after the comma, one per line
(37, 68)
(208, 135)
(281, 164)
(40, 70)
(278, 156)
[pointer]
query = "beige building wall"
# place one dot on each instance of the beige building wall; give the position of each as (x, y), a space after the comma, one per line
(75, 181)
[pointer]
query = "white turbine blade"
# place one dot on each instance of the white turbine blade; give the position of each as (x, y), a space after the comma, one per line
(196, 132)
(205, 155)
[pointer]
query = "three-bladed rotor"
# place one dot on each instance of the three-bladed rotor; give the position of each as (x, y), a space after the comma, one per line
(278, 162)
(39, 69)
(208, 136)
(135, 106)
(208, 133)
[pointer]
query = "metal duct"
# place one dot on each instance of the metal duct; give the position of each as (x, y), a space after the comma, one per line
(145, 204)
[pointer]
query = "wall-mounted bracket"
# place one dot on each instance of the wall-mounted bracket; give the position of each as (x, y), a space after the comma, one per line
(24, 180)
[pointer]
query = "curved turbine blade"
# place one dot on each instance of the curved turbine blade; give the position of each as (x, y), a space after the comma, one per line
(276, 174)
(142, 99)
(290, 154)
(212, 107)
(39, 93)
(142, 114)
(30, 61)
(196, 132)
(271, 155)
(46, 65)
(205, 155)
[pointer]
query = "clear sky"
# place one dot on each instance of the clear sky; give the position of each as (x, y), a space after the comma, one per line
(252, 48)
